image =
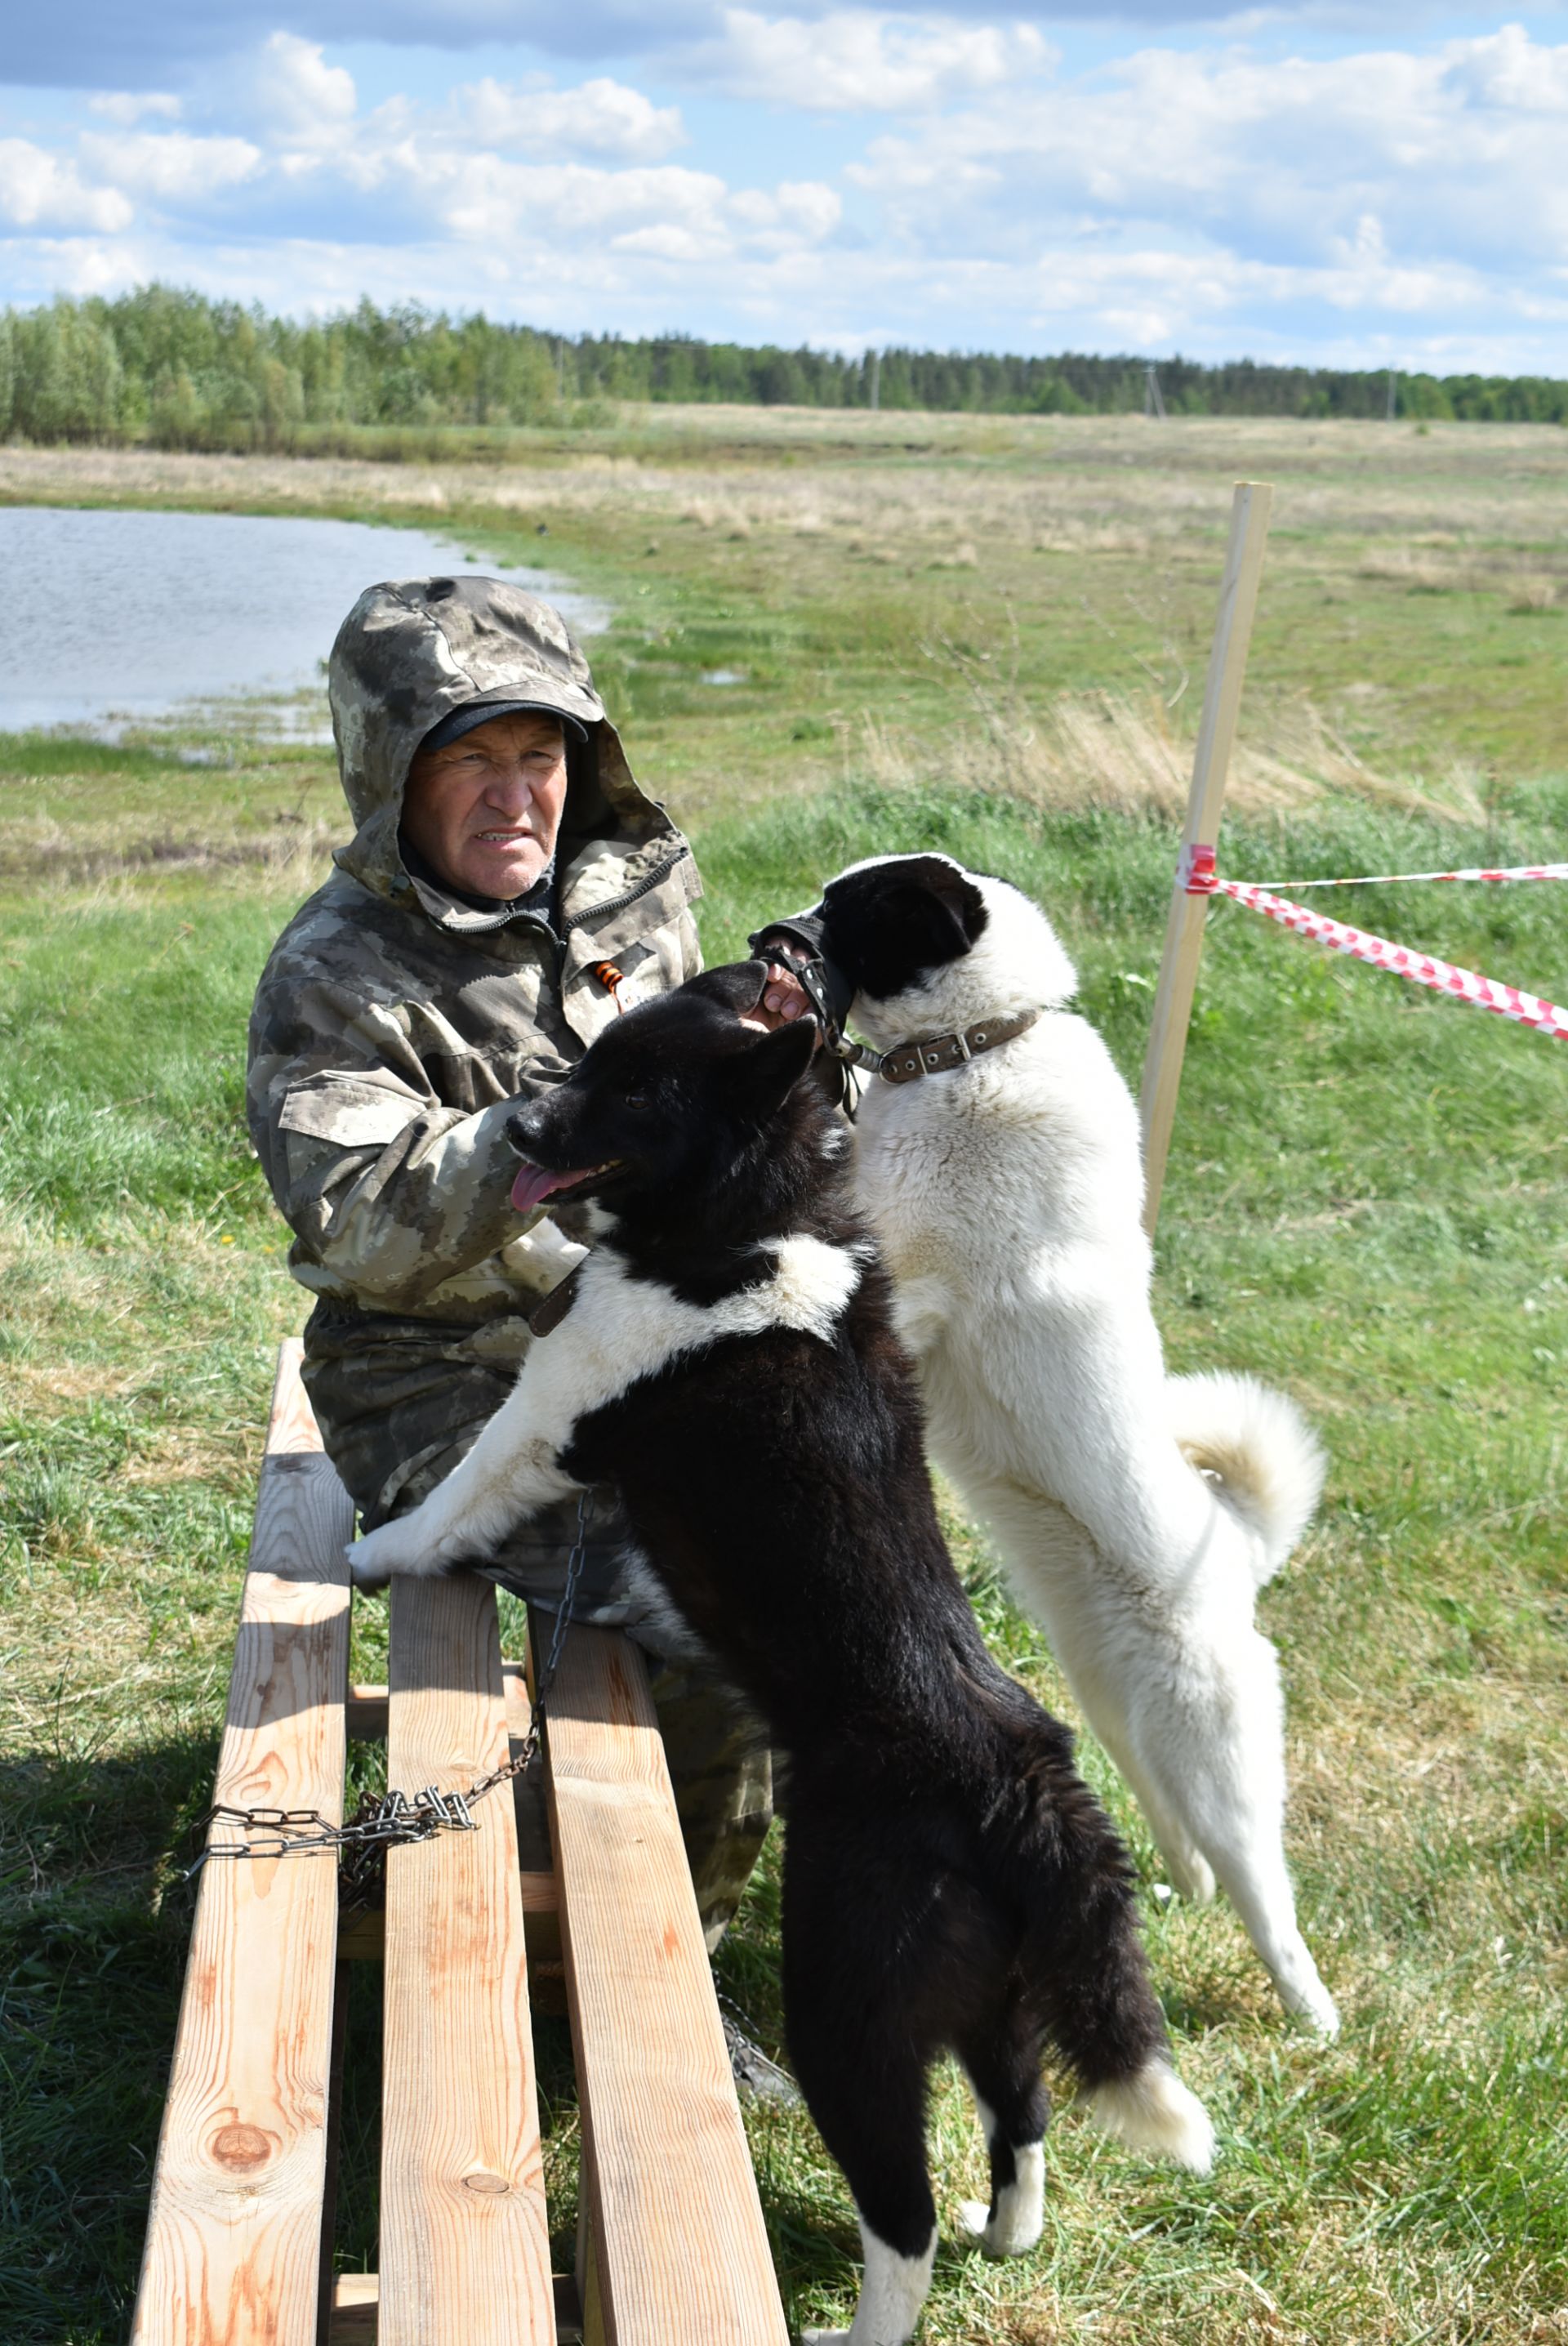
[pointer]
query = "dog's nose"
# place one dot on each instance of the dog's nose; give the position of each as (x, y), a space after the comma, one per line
(522, 1129)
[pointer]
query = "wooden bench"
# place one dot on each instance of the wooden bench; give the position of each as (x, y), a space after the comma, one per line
(672, 2250)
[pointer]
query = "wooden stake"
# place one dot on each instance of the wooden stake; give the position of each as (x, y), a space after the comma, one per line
(1211, 766)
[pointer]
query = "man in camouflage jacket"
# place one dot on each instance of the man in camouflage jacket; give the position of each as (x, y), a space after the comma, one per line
(397, 1023)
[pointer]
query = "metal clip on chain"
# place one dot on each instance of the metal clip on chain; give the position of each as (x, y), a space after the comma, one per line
(394, 1821)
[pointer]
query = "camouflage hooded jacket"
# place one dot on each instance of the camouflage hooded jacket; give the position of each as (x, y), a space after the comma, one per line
(395, 1023)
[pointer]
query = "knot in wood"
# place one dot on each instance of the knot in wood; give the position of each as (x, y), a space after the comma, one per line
(242, 2146)
(483, 2181)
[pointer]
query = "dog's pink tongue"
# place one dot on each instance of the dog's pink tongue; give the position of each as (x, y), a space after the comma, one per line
(534, 1185)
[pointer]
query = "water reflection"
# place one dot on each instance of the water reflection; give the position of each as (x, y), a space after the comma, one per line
(121, 620)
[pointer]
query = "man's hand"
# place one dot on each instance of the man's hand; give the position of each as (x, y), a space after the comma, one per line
(784, 999)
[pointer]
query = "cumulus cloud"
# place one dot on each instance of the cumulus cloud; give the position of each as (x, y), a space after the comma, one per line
(128, 107)
(169, 166)
(1454, 154)
(97, 41)
(295, 90)
(37, 191)
(1400, 201)
(859, 59)
(665, 211)
(599, 118)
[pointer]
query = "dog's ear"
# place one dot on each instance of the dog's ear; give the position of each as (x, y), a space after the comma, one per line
(946, 899)
(760, 1079)
(735, 985)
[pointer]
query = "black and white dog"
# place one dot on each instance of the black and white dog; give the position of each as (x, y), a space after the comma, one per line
(728, 1363)
(999, 1164)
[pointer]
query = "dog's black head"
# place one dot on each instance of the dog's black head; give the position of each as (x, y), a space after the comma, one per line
(886, 925)
(678, 1110)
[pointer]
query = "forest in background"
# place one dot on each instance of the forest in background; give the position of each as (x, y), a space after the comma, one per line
(174, 369)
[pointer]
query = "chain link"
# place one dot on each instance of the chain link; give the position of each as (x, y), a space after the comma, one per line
(393, 1821)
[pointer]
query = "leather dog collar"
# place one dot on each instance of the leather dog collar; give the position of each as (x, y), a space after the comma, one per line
(549, 1315)
(938, 1054)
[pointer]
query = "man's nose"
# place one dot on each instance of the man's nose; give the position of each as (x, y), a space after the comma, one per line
(510, 788)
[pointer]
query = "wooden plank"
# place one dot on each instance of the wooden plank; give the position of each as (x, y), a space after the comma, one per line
(233, 2245)
(365, 1714)
(679, 2249)
(465, 2252)
(356, 2298)
(1211, 766)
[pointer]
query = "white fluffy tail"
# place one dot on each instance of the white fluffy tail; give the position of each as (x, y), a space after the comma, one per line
(1260, 1450)
(1155, 2112)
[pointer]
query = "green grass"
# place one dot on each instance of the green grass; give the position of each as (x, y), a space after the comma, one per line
(1365, 1203)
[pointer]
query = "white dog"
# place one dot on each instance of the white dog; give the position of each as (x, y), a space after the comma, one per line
(1137, 1513)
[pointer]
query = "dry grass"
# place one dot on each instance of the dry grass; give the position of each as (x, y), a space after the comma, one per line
(1124, 750)
(1054, 484)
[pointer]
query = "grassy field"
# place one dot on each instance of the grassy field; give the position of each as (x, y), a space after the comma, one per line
(990, 637)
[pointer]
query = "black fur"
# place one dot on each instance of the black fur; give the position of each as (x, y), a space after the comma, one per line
(886, 925)
(950, 1881)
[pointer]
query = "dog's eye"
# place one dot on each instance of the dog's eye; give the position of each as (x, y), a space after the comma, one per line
(638, 1101)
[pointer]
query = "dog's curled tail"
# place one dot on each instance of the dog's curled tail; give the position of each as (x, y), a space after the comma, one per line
(1260, 1449)
(1155, 2112)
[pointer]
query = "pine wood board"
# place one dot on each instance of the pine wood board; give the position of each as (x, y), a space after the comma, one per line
(234, 2248)
(464, 2242)
(680, 2247)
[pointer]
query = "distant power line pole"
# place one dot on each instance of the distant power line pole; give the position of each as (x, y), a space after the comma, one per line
(1393, 394)
(876, 379)
(1153, 405)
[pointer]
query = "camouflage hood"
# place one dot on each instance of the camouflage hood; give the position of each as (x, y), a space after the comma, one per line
(414, 649)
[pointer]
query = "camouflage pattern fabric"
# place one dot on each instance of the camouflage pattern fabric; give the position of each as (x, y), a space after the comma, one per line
(394, 1029)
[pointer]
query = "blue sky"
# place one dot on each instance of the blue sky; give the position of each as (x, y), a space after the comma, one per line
(1319, 181)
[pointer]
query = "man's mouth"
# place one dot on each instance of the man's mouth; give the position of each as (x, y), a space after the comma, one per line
(534, 1183)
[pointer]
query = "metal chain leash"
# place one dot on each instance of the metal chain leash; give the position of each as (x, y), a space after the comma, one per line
(394, 1821)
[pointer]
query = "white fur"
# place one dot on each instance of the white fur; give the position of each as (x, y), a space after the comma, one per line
(1138, 1515)
(1020, 2205)
(1155, 2112)
(892, 2291)
(1020, 2215)
(618, 1331)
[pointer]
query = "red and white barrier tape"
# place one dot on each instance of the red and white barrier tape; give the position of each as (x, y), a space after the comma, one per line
(1391, 879)
(1199, 878)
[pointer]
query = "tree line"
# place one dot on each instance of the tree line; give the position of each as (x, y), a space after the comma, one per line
(179, 370)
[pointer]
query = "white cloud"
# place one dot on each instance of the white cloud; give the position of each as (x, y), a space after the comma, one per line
(171, 167)
(295, 90)
(1385, 204)
(37, 191)
(128, 106)
(1455, 154)
(861, 59)
(599, 118)
(571, 210)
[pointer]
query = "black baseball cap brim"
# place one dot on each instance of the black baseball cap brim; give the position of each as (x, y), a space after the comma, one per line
(459, 722)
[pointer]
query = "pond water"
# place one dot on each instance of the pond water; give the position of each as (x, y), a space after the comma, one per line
(121, 620)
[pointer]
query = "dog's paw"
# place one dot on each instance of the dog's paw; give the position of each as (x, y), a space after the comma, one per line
(1020, 2215)
(1316, 2010)
(1000, 2239)
(373, 1559)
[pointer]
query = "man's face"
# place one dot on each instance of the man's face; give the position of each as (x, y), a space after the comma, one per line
(483, 813)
